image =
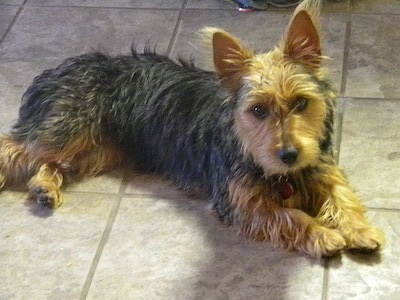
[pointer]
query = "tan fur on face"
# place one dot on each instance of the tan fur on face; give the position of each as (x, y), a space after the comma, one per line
(275, 84)
(275, 81)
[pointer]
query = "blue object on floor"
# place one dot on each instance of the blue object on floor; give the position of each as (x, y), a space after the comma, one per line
(248, 5)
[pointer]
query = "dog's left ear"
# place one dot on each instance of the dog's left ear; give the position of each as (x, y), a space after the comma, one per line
(302, 42)
(230, 59)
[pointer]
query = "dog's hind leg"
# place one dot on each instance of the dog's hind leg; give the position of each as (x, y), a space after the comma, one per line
(81, 157)
(15, 163)
(48, 167)
(45, 186)
(18, 164)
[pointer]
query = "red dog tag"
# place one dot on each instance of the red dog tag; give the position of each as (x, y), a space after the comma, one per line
(284, 189)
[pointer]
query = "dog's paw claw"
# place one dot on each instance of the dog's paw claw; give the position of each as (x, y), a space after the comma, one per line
(45, 200)
(40, 190)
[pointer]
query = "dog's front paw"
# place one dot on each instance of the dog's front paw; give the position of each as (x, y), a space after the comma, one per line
(47, 196)
(366, 239)
(324, 242)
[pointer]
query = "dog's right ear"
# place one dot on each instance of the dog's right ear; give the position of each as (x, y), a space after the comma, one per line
(230, 59)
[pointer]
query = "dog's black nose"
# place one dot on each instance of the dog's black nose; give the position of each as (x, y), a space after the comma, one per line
(288, 155)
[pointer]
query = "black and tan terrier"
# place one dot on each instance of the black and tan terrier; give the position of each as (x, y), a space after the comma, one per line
(255, 135)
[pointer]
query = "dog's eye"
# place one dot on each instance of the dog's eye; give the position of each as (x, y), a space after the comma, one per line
(300, 104)
(260, 112)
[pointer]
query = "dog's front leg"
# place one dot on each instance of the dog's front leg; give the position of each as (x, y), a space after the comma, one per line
(260, 216)
(343, 210)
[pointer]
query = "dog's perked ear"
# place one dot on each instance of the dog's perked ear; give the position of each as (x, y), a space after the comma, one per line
(230, 59)
(302, 42)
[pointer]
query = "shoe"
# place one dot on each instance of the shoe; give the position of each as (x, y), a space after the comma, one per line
(249, 5)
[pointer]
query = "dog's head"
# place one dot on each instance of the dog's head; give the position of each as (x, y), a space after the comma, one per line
(283, 98)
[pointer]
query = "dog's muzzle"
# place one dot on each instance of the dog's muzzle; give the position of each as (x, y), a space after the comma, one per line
(288, 155)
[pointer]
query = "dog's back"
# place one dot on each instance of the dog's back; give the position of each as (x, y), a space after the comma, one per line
(166, 117)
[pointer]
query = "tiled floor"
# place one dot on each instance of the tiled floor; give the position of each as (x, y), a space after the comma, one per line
(135, 237)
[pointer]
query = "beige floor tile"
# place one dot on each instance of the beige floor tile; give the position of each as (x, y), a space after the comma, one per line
(61, 33)
(10, 96)
(106, 183)
(11, 2)
(370, 150)
(157, 4)
(146, 184)
(336, 6)
(370, 277)
(372, 57)
(377, 6)
(47, 254)
(211, 4)
(7, 14)
(175, 249)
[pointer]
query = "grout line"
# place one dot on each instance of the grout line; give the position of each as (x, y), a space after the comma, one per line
(340, 110)
(384, 209)
(101, 7)
(12, 22)
(176, 28)
(103, 242)
(343, 83)
(374, 99)
(126, 178)
(375, 13)
(350, 6)
(325, 281)
(346, 52)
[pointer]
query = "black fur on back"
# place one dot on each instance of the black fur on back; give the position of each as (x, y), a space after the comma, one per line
(169, 117)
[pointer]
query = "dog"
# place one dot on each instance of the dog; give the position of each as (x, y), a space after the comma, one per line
(255, 135)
